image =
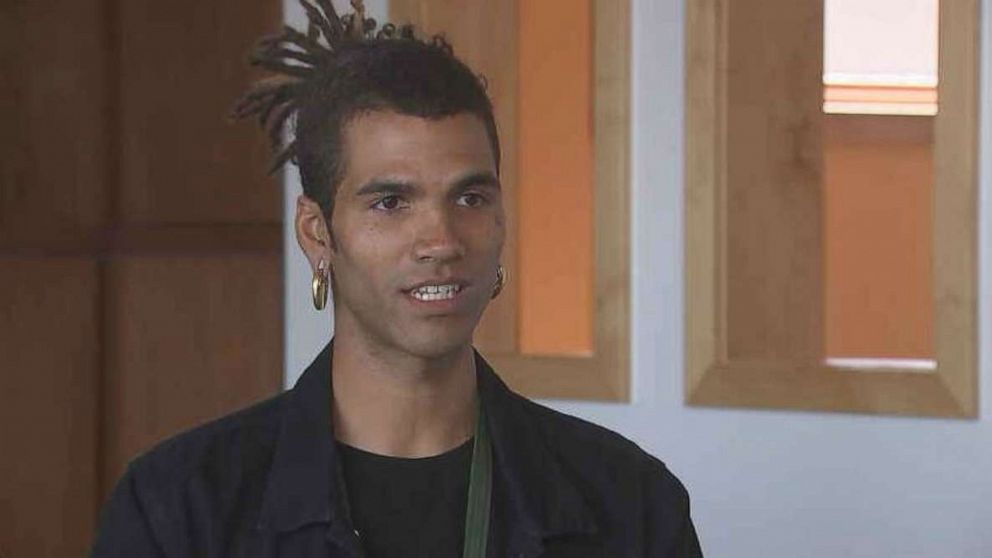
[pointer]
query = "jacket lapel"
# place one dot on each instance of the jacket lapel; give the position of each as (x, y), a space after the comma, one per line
(304, 485)
(543, 503)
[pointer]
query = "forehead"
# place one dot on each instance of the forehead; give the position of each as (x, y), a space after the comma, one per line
(385, 142)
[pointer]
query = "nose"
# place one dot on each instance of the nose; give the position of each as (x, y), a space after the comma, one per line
(436, 238)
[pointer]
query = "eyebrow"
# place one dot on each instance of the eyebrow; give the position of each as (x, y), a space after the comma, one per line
(392, 187)
(481, 178)
(387, 187)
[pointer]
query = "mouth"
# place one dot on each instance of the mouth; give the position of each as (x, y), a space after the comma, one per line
(431, 292)
(437, 293)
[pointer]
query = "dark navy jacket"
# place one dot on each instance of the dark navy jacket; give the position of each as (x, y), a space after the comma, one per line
(263, 483)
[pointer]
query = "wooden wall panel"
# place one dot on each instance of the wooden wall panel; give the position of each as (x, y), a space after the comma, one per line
(52, 119)
(183, 64)
(191, 338)
(774, 169)
(49, 389)
(750, 232)
(53, 198)
(120, 177)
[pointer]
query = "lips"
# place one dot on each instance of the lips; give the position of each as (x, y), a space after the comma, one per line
(436, 290)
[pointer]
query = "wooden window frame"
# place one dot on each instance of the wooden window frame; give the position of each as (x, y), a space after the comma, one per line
(484, 35)
(806, 383)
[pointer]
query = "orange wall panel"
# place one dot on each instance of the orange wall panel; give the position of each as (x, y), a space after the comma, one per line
(556, 177)
(879, 204)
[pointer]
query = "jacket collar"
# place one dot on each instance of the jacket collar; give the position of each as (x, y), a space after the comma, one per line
(542, 501)
(304, 485)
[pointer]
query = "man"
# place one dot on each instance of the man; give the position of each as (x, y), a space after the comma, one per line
(398, 440)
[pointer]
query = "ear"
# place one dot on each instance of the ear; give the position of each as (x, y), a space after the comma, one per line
(312, 231)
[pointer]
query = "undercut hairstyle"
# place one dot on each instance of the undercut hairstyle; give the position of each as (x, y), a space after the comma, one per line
(341, 68)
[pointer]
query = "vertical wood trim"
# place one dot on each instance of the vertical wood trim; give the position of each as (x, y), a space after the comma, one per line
(612, 194)
(955, 203)
(703, 175)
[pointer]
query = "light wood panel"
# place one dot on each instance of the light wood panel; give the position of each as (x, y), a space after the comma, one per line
(955, 240)
(484, 35)
(191, 338)
(49, 416)
(729, 366)
(774, 168)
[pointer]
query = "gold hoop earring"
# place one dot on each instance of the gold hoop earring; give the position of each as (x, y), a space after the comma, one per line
(319, 286)
(500, 282)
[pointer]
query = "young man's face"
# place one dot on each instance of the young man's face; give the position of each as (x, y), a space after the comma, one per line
(418, 227)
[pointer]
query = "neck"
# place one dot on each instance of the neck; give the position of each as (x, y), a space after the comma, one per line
(401, 405)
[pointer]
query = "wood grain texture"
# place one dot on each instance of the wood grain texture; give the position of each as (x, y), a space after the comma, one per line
(484, 35)
(956, 203)
(53, 188)
(114, 149)
(773, 256)
(109, 242)
(719, 374)
(53, 158)
(191, 338)
(705, 177)
(182, 65)
(49, 389)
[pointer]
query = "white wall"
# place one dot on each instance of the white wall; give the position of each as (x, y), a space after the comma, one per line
(764, 483)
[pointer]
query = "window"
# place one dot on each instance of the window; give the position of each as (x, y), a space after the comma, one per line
(757, 261)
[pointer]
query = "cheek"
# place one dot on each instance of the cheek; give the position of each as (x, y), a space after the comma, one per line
(369, 250)
(498, 235)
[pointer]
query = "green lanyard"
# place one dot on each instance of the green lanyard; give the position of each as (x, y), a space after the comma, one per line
(480, 487)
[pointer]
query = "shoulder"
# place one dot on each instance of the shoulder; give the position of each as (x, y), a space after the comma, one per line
(223, 450)
(636, 497)
(595, 452)
(184, 489)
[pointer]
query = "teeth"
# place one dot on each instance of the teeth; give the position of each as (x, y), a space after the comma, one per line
(435, 292)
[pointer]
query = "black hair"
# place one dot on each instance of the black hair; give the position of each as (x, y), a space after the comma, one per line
(345, 66)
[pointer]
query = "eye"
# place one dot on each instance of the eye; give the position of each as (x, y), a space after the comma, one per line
(471, 199)
(388, 203)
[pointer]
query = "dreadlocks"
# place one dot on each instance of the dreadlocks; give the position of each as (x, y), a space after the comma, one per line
(344, 66)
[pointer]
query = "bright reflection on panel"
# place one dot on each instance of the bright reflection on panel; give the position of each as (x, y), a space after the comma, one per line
(880, 57)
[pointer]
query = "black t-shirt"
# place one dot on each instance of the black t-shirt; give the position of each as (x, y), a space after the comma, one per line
(405, 508)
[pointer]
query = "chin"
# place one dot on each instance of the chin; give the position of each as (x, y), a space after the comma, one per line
(433, 345)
